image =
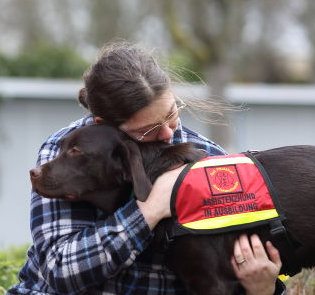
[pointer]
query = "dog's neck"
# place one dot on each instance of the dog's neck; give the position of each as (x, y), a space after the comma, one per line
(107, 200)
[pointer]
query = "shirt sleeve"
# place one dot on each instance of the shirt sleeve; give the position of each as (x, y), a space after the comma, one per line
(75, 245)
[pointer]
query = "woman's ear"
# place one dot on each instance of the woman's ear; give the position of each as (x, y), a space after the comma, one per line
(98, 120)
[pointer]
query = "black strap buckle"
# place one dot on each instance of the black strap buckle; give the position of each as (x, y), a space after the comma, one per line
(169, 238)
(278, 231)
(286, 244)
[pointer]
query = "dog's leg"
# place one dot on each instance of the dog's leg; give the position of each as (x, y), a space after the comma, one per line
(203, 262)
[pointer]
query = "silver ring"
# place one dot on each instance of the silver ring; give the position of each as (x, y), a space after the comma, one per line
(241, 261)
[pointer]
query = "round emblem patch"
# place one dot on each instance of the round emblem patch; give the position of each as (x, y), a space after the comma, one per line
(223, 180)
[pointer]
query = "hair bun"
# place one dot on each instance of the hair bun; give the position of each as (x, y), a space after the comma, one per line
(83, 98)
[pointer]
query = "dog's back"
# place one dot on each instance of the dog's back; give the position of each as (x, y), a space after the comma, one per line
(292, 172)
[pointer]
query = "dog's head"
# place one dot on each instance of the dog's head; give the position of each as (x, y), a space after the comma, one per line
(92, 159)
(96, 163)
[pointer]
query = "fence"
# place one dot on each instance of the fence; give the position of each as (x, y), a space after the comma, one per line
(32, 109)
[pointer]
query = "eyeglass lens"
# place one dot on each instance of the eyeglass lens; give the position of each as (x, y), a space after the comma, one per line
(173, 116)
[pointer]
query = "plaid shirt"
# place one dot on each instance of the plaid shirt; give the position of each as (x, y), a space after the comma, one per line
(79, 250)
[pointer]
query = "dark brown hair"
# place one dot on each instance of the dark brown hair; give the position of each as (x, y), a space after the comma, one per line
(123, 80)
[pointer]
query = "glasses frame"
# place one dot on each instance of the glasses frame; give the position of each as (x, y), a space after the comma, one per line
(169, 118)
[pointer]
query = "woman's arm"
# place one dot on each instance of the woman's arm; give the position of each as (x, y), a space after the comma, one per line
(76, 250)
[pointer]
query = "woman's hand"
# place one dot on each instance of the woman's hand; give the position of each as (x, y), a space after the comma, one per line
(254, 269)
(157, 205)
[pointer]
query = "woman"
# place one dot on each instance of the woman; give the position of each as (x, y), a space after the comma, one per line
(79, 250)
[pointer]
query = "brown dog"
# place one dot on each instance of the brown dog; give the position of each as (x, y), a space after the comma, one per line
(98, 163)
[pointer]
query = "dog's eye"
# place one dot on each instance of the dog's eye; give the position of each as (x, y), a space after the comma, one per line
(74, 151)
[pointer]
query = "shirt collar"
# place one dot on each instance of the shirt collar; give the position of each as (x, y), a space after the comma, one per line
(178, 133)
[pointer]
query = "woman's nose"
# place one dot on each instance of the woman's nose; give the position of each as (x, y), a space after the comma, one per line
(166, 131)
(173, 124)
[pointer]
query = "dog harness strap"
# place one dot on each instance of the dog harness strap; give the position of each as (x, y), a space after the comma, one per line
(286, 244)
(220, 194)
(281, 237)
(270, 186)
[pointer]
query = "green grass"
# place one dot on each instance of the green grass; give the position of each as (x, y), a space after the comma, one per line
(302, 283)
(11, 261)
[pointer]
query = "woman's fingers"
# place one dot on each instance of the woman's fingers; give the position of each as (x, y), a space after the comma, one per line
(238, 255)
(246, 248)
(258, 248)
(274, 254)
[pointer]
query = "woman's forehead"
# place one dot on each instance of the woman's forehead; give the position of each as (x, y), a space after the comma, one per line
(156, 112)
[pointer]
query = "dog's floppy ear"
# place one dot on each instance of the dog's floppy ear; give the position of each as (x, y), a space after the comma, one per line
(141, 183)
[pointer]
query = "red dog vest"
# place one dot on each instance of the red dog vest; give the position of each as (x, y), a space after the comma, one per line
(221, 193)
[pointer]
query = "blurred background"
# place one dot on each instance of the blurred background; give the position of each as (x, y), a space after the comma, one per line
(255, 53)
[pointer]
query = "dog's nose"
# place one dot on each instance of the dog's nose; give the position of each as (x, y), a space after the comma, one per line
(36, 172)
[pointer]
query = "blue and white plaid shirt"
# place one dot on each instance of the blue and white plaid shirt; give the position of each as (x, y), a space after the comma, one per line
(79, 250)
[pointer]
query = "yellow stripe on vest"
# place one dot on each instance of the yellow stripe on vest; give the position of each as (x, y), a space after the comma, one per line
(283, 278)
(222, 161)
(224, 221)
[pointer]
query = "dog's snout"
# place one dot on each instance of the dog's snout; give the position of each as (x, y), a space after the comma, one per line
(36, 172)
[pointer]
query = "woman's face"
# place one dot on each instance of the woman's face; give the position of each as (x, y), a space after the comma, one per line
(156, 122)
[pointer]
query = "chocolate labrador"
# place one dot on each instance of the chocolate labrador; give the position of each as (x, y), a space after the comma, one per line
(99, 164)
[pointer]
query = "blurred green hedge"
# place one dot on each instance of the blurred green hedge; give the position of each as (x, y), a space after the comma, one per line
(44, 60)
(11, 261)
(182, 67)
(53, 61)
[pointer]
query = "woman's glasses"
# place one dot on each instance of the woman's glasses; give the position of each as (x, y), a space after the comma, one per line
(152, 132)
